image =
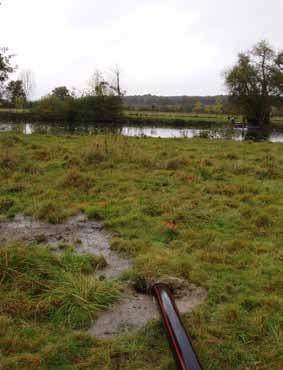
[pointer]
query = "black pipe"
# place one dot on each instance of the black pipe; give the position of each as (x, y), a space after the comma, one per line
(180, 342)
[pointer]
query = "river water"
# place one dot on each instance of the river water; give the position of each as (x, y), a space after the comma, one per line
(238, 134)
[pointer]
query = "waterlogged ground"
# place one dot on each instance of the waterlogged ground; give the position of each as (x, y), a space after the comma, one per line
(206, 212)
(136, 310)
(87, 237)
(133, 311)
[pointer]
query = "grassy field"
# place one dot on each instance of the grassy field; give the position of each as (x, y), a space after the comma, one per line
(185, 116)
(189, 119)
(14, 110)
(175, 118)
(206, 211)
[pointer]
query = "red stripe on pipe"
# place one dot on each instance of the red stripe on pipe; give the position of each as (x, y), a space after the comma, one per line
(171, 333)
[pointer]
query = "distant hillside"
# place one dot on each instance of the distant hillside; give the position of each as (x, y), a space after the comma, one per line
(197, 104)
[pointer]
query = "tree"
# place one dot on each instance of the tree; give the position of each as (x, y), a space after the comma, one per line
(98, 85)
(198, 107)
(217, 108)
(116, 82)
(255, 83)
(15, 93)
(117, 86)
(62, 93)
(5, 68)
(101, 100)
(28, 79)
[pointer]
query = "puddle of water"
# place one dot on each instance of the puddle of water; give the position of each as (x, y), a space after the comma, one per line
(238, 134)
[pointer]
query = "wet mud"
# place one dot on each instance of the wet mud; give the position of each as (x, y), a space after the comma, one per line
(86, 237)
(134, 310)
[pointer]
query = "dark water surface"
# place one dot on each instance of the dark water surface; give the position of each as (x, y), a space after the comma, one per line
(238, 134)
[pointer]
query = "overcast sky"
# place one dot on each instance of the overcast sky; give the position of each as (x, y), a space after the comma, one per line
(164, 47)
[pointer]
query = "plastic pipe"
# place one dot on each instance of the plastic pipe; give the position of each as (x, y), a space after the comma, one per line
(180, 342)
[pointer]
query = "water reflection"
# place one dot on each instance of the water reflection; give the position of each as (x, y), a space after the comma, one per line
(238, 134)
(161, 132)
(6, 127)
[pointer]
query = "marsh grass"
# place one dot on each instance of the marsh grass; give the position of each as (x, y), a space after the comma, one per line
(185, 119)
(207, 211)
(40, 286)
(82, 263)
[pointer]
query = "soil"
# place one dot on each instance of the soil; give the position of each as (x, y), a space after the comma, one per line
(135, 310)
(86, 236)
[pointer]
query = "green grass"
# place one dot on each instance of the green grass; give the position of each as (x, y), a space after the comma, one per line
(207, 211)
(177, 115)
(186, 119)
(40, 286)
(14, 110)
(277, 121)
(176, 118)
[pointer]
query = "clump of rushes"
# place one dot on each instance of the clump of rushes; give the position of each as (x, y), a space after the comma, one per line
(128, 247)
(93, 213)
(75, 179)
(51, 211)
(37, 285)
(85, 263)
(95, 154)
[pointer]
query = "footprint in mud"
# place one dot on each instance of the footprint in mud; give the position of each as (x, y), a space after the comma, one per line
(135, 310)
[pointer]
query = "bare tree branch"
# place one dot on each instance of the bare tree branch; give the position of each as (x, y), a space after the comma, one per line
(28, 78)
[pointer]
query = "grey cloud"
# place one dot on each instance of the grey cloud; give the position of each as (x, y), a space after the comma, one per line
(166, 47)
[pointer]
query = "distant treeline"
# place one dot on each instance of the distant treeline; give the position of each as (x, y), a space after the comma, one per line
(219, 104)
(189, 104)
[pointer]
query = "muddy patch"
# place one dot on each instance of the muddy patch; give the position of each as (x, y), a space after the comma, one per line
(86, 236)
(136, 310)
(128, 316)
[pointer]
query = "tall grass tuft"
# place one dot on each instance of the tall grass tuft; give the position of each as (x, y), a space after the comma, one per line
(34, 284)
